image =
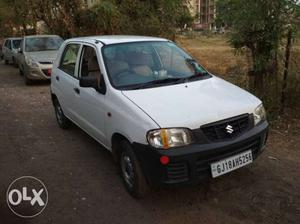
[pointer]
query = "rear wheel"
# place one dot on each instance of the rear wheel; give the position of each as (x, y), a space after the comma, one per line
(14, 62)
(132, 175)
(6, 62)
(62, 120)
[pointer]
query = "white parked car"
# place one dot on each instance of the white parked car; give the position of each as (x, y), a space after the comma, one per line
(10, 50)
(36, 56)
(166, 120)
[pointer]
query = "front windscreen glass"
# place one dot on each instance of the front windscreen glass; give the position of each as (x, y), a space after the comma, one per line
(150, 64)
(42, 44)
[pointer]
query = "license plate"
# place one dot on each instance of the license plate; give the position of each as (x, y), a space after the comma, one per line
(231, 163)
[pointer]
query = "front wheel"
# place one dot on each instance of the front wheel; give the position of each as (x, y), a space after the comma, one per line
(15, 64)
(62, 120)
(26, 80)
(132, 175)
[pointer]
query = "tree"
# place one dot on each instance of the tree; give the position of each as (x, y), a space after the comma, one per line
(16, 16)
(104, 16)
(151, 17)
(59, 15)
(259, 26)
(184, 18)
(71, 18)
(293, 25)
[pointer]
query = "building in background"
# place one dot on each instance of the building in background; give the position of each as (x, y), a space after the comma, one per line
(204, 12)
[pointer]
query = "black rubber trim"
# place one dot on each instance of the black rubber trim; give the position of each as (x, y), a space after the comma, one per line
(194, 154)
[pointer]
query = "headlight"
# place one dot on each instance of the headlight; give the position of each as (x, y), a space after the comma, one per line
(259, 114)
(168, 138)
(31, 63)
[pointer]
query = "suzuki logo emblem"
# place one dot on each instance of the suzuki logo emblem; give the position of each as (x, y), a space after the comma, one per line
(229, 129)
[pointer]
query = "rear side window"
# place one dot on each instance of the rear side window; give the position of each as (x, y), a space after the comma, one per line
(69, 59)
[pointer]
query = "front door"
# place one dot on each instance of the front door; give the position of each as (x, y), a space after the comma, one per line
(91, 105)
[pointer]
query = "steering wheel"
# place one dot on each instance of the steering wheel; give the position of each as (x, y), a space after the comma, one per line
(122, 74)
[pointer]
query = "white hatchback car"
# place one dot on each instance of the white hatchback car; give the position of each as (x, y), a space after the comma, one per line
(166, 120)
(10, 50)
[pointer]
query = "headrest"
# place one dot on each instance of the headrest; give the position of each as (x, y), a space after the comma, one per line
(138, 58)
(116, 67)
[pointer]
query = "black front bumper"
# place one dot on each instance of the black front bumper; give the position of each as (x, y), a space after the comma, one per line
(190, 164)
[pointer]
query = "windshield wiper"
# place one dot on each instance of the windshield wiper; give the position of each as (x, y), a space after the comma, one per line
(199, 71)
(157, 82)
(199, 75)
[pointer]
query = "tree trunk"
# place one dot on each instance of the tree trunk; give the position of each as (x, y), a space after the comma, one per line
(256, 77)
(259, 83)
(286, 70)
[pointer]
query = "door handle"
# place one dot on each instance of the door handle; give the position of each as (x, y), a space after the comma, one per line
(57, 78)
(77, 90)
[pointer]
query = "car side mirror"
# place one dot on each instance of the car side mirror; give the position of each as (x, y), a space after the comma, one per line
(92, 82)
(20, 51)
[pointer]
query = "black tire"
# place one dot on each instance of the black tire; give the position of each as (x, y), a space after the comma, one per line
(6, 62)
(15, 63)
(131, 172)
(62, 120)
(21, 72)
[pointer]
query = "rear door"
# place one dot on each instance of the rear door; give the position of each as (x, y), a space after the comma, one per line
(66, 80)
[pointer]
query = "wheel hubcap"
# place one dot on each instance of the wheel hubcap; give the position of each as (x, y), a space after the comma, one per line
(59, 113)
(127, 170)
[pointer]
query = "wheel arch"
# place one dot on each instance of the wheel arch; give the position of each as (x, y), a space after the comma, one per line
(53, 97)
(116, 140)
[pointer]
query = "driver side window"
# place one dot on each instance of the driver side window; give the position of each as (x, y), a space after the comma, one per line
(89, 65)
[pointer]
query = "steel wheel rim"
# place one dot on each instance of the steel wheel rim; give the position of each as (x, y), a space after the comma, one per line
(59, 113)
(127, 170)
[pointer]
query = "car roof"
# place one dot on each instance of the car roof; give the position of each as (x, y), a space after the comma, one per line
(116, 39)
(13, 38)
(33, 36)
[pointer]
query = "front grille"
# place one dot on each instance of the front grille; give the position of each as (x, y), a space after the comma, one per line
(227, 129)
(177, 172)
(45, 62)
(203, 162)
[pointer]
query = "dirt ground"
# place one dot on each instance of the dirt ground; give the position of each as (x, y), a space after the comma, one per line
(84, 185)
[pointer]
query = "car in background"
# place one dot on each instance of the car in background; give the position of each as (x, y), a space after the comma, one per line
(36, 56)
(10, 50)
(1, 44)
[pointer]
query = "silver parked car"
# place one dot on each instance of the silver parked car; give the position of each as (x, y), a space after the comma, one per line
(36, 56)
(10, 50)
(1, 45)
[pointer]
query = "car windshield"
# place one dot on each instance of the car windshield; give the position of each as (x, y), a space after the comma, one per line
(33, 44)
(16, 44)
(141, 65)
